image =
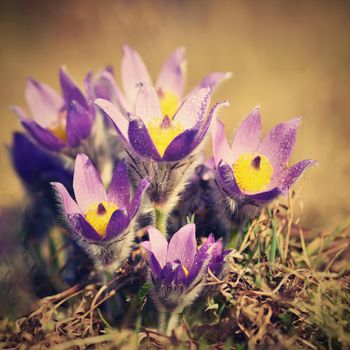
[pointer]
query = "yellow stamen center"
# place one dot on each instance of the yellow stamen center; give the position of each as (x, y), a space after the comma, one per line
(99, 214)
(169, 102)
(59, 128)
(59, 131)
(184, 268)
(162, 132)
(252, 172)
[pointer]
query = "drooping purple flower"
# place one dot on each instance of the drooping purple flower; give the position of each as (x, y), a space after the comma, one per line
(97, 217)
(37, 168)
(153, 135)
(169, 85)
(57, 121)
(34, 166)
(178, 270)
(253, 170)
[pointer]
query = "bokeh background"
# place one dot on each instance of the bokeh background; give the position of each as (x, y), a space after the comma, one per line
(290, 57)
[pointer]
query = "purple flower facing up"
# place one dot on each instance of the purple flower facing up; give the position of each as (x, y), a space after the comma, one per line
(252, 170)
(163, 148)
(58, 122)
(101, 221)
(178, 271)
(169, 85)
(153, 135)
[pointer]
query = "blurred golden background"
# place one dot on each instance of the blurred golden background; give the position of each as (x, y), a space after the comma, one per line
(291, 58)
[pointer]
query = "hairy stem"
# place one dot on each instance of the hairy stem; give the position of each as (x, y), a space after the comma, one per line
(173, 321)
(162, 321)
(161, 220)
(168, 320)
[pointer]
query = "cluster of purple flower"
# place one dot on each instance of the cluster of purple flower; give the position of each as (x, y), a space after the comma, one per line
(160, 133)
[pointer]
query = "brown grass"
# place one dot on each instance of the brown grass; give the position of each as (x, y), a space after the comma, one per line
(295, 297)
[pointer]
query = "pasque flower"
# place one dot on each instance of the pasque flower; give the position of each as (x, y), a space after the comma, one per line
(252, 170)
(36, 167)
(178, 271)
(101, 221)
(57, 121)
(169, 85)
(162, 129)
(161, 147)
(159, 137)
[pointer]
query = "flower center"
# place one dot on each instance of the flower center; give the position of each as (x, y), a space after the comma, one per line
(184, 268)
(163, 131)
(252, 172)
(99, 214)
(59, 128)
(169, 102)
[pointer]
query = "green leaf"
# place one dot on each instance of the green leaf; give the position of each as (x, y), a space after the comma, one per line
(141, 295)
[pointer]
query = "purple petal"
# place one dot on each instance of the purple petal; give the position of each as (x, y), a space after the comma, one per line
(107, 88)
(121, 124)
(187, 141)
(35, 165)
(19, 112)
(152, 261)
(221, 149)
(159, 245)
(264, 198)
(218, 258)
(70, 90)
(179, 275)
(119, 189)
(43, 101)
(247, 136)
(147, 105)
(136, 201)
(181, 146)
(79, 124)
(193, 109)
(228, 183)
(83, 228)
(147, 246)
(213, 80)
(172, 75)
(167, 274)
(118, 222)
(201, 260)
(140, 139)
(89, 86)
(206, 124)
(87, 183)
(69, 205)
(227, 180)
(279, 143)
(102, 87)
(44, 137)
(218, 248)
(293, 173)
(183, 246)
(134, 72)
